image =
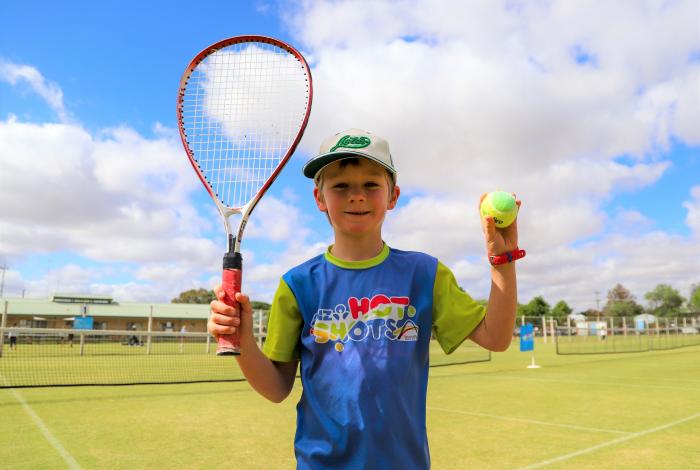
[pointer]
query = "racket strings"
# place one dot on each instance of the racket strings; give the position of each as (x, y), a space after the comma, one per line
(242, 109)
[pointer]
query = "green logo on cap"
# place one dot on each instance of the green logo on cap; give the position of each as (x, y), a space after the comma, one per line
(351, 142)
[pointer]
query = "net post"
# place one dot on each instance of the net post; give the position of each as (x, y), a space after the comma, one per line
(544, 329)
(3, 324)
(150, 326)
(83, 311)
(624, 326)
(551, 327)
(208, 348)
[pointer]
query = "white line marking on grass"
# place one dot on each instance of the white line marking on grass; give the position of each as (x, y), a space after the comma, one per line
(529, 421)
(587, 382)
(609, 443)
(646, 379)
(55, 443)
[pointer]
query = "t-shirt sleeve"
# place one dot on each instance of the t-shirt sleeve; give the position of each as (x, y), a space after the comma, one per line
(455, 313)
(283, 326)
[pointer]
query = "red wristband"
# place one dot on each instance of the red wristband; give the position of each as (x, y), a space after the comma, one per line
(507, 257)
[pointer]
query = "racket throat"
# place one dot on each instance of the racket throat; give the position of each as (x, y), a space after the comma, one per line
(233, 258)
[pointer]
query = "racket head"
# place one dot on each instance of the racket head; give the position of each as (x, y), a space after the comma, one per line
(242, 108)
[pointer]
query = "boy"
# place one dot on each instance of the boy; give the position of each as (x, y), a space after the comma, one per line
(360, 318)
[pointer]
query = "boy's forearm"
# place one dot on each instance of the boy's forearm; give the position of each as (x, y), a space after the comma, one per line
(503, 302)
(272, 380)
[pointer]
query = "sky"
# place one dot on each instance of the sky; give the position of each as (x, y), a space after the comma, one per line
(588, 111)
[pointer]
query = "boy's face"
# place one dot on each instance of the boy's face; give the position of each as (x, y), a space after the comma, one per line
(356, 196)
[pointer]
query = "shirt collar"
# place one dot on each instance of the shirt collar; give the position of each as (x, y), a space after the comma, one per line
(363, 264)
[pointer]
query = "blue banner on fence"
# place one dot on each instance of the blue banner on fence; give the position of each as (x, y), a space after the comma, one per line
(82, 323)
(527, 342)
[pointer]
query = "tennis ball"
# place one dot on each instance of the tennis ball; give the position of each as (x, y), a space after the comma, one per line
(501, 206)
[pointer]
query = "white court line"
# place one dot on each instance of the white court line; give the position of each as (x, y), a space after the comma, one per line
(586, 382)
(609, 443)
(55, 443)
(690, 382)
(529, 421)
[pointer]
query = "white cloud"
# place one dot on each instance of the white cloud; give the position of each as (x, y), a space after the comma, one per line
(568, 104)
(261, 279)
(47, 90)
(693, 206)
(114, 197)
(275, 220)
(463, 105)
(444, 227)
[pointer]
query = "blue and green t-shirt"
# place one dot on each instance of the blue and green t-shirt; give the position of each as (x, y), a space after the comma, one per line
(362, 333)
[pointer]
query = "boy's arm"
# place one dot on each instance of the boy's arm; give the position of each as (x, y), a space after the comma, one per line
(495, 331)
(271, 379)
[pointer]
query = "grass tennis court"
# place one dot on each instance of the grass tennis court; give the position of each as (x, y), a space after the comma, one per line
(633, 410)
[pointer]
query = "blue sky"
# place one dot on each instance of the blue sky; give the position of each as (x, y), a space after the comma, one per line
(589, 115)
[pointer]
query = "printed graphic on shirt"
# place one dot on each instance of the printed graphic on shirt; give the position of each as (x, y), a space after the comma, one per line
(366, 319)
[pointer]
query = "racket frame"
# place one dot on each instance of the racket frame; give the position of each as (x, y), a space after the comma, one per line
(233, 258)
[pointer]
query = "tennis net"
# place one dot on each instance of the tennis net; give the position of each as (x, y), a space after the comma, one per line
(38, 357)
(33, 357)
(619, 340)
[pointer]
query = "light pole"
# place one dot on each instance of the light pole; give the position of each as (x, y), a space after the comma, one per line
(3, 268)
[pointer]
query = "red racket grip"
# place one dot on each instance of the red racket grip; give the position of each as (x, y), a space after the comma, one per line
(229, 345)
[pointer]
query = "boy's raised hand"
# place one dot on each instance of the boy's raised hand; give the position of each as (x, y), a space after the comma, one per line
(499, 240)
(225, 320)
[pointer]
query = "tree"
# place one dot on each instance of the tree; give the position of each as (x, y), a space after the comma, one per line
(194, 296)
(664, 300)
(694, 300)
(591, 313)
(621, 303)
(257, 305)
(537, 307)
(561, 310)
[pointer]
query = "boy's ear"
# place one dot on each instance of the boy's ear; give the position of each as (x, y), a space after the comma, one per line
(394, 197)
(319, 200)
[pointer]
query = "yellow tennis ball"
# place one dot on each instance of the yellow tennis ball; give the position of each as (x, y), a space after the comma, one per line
(501, 206)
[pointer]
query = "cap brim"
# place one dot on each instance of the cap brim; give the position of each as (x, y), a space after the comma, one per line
(317, 164)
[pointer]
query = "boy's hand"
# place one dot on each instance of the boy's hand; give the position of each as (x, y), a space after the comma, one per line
(226, 320)
(499, 240)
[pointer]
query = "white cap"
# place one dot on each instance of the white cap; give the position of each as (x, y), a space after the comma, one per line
(348, 144)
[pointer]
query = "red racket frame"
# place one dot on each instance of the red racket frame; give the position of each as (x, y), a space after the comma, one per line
(232, 272)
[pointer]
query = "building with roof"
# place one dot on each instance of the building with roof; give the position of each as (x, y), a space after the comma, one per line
(61, 311)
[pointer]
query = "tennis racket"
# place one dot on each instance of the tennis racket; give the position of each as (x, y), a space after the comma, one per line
(242, 108)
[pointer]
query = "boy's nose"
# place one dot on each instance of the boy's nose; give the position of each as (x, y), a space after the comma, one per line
(357, 193)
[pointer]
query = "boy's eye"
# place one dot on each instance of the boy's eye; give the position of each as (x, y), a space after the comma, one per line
(345, 186)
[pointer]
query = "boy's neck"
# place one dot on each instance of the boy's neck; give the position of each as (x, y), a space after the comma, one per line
(357, 249)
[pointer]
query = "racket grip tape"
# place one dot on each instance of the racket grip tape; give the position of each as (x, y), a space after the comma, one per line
(229, 345)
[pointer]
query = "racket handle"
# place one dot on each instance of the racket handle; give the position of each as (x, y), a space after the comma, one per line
(229, 345)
